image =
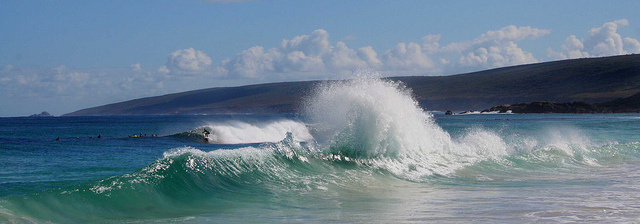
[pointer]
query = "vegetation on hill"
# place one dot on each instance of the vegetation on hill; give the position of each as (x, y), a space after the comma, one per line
(590, 80)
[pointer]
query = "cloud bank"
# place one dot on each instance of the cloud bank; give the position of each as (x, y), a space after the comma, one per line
(303, 57)
(314, 56)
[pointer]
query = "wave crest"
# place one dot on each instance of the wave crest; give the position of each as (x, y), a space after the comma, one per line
(380, 123)
(242, 132)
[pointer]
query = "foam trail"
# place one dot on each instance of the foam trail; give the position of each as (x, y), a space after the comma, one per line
(240, 132)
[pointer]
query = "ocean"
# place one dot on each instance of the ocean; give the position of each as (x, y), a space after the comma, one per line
(361, 151)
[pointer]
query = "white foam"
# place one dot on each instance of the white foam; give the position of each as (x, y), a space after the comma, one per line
(379, 122)
(240, 132)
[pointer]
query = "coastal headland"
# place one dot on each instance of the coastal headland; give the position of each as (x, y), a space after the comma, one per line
(590, 85)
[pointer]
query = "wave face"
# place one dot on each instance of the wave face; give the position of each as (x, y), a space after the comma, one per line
(188, 182)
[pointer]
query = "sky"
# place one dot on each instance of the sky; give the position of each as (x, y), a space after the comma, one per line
(65, 55)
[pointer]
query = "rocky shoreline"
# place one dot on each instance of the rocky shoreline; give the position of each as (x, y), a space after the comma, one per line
(546, 107)
(624, 105)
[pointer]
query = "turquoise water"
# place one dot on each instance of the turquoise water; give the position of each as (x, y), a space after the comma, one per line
(362, 151)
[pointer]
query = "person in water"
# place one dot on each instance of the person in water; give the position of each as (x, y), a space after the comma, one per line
(205, 133)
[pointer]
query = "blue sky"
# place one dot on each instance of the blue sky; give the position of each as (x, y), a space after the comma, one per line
(61, 56)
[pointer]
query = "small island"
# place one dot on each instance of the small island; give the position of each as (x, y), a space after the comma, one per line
(43, 114)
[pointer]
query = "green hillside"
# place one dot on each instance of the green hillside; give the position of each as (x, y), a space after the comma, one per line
(591, 80)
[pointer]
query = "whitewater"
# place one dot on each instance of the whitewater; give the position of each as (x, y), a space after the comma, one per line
(361, 151)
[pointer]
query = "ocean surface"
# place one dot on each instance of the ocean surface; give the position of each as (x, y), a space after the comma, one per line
(361, 152)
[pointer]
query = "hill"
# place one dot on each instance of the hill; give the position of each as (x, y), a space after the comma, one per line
(592, 80)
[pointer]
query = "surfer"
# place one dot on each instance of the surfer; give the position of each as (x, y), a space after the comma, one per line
(205, 133)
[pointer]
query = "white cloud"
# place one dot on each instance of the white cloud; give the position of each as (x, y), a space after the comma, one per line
(188, 61)
(494, 49)
(303, 56)
(605, 40)
(573, 47)
(163, 70)
(136, 67)
(369, 56)
(59, 69)
(506, 54)
(65, 89)
(601, 41)
(250, 63)
(407, 57)
(631, 45)
(344, 58)
(511, 33)
(314, 56)
(430, 43)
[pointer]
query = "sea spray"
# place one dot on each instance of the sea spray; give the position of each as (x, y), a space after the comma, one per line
(378, 123)
(238, 132)
(244, 132)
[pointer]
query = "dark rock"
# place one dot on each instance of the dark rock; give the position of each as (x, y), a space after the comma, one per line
(624, 105)
(547, 107)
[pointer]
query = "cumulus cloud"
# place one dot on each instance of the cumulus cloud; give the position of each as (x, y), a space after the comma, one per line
(188, 61)
(136, 67)
(61, 89)
(601, 41)
(504, 54)
(368, 55)
(497, 48)
(430, 43)
(407, 56)
(59, 69)
(342, 58)
(631, 45)
(315, 56)
(303, 56)
(163, 70)
(249, 63)
(491, 49)
(511, 33)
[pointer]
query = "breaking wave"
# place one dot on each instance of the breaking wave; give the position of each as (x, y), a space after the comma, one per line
(241, 132)
(361, 132)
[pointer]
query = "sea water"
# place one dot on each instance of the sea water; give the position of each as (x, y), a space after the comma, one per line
(361, 151)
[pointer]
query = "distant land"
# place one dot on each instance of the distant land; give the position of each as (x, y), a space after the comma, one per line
(589, 80)
(624, 105)
(43, 114)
